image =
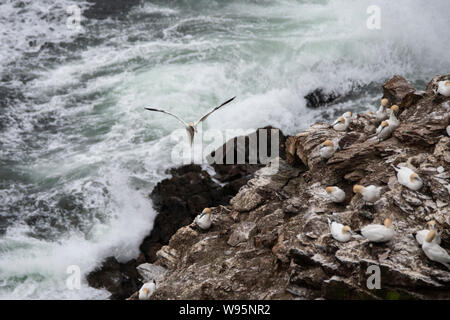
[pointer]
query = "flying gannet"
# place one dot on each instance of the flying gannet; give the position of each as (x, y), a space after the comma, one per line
(327, 149)
(191, 127)
(340, 232)
(147, 290)
(378, 232)
(369, 194)
(444, 88)
(203, 220)
(422, 234)
(335, 194)
(382, 113)
(434, 251)
(408, 178)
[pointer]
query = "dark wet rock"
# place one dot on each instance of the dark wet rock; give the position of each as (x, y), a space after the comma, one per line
(102, 9)
(236, 175)
(178, 200)
(319, 98)
(120, 279)
(396, 89)
(149, 272)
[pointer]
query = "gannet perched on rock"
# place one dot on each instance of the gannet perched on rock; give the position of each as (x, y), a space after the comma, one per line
(435, 252)
(444, 88)
(387, 127)
(340, 232)
(384, 131)
(341, 124)
(378, 232)
(327, 149)
(393, 120)
(191, 127)
(203, 220)
(382, 113)
(408, 178)
(348, 115)
(147, 290)
(448, 131)
(422, 234)
(335, 194)
(369, 194)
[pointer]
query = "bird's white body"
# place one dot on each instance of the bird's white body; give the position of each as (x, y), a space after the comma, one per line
(393, 123)
(327, 151)
(348, 115)
(336, 194)
(338, 232)
(381, 114)
(384, 132)
(342, 126)
(404, 178)
(371, 193)
(444, 88)
(448, 131)
(422, 235)
(377, 233)
(436, 253)
(147, 290)
(203, 221)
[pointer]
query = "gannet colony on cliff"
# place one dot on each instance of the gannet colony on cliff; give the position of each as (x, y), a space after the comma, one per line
(387, 121)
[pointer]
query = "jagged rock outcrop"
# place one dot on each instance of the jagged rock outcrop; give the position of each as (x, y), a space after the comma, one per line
(273, 242)
(178, 199)
(181, 197)
(121, 279)
(319, 97)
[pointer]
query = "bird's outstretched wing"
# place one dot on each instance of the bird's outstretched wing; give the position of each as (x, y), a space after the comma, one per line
(210, 112)
(171, 114)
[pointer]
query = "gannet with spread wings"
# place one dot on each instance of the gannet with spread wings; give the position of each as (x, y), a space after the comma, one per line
(191, 127)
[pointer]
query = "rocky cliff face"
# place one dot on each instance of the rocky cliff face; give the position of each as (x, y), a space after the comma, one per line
(178, 199)
(272, 240)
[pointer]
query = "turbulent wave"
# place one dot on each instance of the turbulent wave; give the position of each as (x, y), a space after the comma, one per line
(79, 154)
